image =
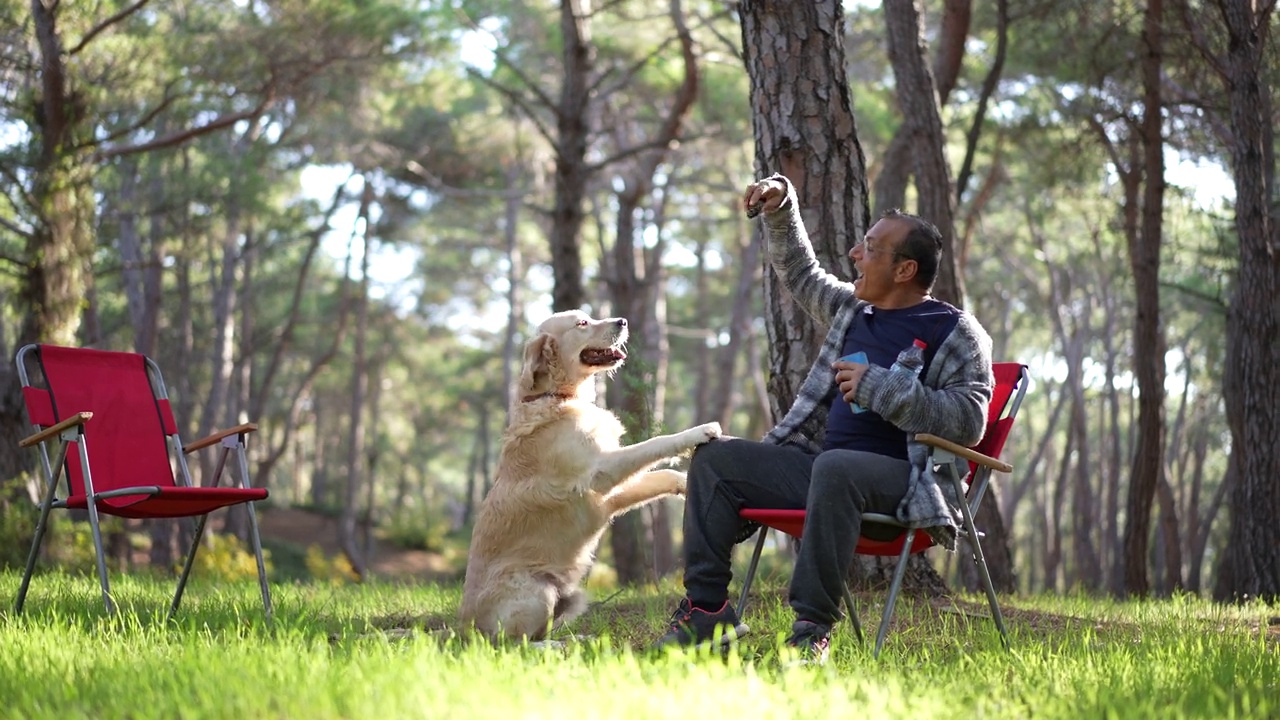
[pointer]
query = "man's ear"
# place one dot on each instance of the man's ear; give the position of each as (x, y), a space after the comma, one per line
(539, 354)
(906, 271)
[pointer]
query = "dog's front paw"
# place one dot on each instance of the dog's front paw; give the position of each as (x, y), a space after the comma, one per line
(710, 431)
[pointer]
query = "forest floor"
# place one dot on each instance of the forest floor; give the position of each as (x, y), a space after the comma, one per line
(304, 528)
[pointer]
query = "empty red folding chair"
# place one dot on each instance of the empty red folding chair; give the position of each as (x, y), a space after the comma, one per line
(119, 445)
(1010, 386)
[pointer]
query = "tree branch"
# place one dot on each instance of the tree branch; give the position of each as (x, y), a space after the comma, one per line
(151, 115)
(519, 101)
(182, 136)
(988, 89)
(106, 24)
(15, 229)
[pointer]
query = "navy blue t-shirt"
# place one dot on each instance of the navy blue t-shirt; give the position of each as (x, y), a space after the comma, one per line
(882, 334)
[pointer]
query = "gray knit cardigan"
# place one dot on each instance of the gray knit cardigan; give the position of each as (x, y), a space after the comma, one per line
(950, 401)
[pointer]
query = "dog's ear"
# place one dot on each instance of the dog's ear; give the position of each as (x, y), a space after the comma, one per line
(539, 354)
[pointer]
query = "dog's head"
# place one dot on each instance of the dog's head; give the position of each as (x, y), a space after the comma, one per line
(568, 349)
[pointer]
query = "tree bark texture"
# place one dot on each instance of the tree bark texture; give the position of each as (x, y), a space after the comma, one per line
(804, 128)
(1251, 565)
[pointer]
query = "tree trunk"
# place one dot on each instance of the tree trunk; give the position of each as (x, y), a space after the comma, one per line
(348, 536)
(1251, 560)
(1144, 258)
(895, 173)
(918, 99)
(806, 131)
(636, 289)
(571, 174)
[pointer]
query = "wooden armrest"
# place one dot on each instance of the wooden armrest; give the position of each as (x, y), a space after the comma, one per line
(964, 452)
(217, 437)
(52, 430)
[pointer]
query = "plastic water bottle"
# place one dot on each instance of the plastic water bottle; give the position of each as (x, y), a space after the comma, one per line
(911, 360)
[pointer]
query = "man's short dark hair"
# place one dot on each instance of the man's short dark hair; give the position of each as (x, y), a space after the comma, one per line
(923, 243)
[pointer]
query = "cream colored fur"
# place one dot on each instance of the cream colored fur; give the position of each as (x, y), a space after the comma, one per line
(562, 475)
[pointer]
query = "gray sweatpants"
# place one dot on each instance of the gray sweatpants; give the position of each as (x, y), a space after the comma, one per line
(834, 488)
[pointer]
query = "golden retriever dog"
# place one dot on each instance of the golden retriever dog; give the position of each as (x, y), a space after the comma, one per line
(562, 475)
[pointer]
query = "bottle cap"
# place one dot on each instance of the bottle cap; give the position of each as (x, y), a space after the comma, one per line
(920, 343)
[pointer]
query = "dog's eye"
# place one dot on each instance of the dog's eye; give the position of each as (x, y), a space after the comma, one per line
(582, 323)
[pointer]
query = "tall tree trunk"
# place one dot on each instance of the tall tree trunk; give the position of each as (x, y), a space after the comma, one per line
(1144, 258)
(571, 173)
(1251, 560)
(806, 131)
(918, 98)
(895, 170)
(348, 536)
(635, 286)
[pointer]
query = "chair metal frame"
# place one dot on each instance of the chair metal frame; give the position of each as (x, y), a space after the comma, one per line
(944, 453)
(71, 429)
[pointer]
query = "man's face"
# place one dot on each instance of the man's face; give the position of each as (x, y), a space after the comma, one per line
(875, 260)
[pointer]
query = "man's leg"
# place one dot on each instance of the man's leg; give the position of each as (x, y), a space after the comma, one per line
(844, 485)
(724, 477)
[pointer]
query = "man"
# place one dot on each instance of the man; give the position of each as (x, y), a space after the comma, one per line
(844, 448)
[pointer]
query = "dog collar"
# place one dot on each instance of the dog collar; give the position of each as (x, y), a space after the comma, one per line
(562, 396)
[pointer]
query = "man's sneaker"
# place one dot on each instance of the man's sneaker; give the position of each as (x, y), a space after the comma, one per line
(693, 626)
(808, 644)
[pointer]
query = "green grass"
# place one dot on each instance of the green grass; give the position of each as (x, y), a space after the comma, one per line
(326, 656)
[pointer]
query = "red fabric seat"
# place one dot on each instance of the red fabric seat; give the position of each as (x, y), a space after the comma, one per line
(171, 502)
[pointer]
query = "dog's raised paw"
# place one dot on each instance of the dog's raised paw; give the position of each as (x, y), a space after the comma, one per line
(711, 430)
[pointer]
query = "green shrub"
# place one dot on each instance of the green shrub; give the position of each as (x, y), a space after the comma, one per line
(335, 571)
(224, 558)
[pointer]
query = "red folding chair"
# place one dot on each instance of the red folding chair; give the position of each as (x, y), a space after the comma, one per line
(1010, 386)
(117, 402)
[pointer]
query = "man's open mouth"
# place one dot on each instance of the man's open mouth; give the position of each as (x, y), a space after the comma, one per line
(602, 356)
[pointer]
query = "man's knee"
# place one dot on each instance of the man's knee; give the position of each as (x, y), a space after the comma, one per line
(832, 478)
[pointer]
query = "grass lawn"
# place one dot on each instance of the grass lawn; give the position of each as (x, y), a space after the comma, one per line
(328, 655)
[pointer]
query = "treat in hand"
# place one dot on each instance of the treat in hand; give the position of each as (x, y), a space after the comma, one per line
(754, 210)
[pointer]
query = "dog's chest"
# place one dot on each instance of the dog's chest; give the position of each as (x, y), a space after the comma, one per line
(599, 427)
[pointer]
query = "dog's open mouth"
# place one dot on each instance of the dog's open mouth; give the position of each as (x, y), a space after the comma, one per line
(602, 356)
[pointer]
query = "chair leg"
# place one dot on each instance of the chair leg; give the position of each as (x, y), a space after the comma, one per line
(262, 566)
(983, 573)
(95, 526)
(894, 587)
(254, 536)
(853, 613)
(751, 570)
(186, 567)
(42, 525)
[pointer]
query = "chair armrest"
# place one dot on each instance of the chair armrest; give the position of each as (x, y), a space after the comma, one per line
(964, 452)
(53, 430)
(217, 437)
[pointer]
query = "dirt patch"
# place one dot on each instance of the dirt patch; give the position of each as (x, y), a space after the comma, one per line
(304, 529)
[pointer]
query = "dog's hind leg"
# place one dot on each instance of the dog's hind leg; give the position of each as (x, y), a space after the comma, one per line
(569, 607)
(526, 614)
(644, 488)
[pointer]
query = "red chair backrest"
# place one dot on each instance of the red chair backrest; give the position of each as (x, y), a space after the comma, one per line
(999, 417)
(126, 436)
